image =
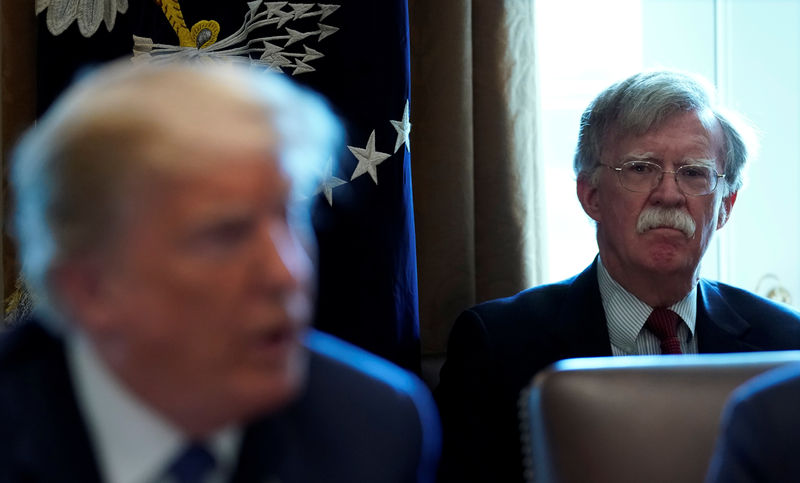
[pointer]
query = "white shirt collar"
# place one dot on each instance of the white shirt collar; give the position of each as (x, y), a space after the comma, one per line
(132, 442)
(626, 314)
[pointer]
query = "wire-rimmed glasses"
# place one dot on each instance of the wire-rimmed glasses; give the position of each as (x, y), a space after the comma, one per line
(644, 176)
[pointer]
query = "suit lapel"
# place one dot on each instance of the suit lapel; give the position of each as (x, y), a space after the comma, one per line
(719, 327)
(271, 451)
(256, 454)
(582, 321)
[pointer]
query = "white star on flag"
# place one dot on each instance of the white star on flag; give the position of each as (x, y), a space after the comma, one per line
(368, 159)
(403, 128)
(329, 182)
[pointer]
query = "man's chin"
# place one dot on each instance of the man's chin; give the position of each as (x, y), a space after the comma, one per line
(272, 388)
(668, 258)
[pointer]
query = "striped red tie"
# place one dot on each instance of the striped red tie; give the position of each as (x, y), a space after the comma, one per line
(664, 324)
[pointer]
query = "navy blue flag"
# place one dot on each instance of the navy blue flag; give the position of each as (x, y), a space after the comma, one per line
(356, 53)
(365, 218)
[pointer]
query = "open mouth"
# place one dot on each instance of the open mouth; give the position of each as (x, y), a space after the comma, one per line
(275, 345)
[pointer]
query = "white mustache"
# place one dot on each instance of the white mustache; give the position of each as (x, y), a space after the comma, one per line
(659, 217)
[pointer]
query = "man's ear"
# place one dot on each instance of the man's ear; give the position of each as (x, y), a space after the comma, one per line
(81, 293)
(725, 209)
(588, 196)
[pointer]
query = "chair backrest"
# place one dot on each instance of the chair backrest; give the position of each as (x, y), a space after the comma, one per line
(632, 419)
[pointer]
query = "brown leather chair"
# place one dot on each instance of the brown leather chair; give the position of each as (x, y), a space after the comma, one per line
(632, 419)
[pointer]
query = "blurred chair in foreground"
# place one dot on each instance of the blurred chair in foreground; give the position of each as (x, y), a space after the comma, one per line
(632, 419)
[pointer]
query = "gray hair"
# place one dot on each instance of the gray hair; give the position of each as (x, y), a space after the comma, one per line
(643, 101)
(125, 121)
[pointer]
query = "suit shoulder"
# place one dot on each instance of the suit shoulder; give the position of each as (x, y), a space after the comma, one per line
(337, 356)
(779, 384)
(25, 342)
(530, 312)
(543, 299)
(374, 407)
(769, 399)
(752, 306)
(356, 371)
(32, 365)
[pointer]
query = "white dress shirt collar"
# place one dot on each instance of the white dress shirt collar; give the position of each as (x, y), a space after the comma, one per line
(626, 314)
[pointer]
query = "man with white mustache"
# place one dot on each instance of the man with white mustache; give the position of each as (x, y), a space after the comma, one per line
(658, 167)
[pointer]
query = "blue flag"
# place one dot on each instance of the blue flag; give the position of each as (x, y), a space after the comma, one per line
(356, 53)
(365, 217)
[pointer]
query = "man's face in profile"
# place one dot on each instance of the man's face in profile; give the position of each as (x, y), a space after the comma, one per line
(208, 287)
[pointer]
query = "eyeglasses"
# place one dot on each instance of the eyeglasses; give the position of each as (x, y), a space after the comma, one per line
(644, 176)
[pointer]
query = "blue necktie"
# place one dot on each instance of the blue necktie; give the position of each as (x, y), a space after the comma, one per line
(192, 465)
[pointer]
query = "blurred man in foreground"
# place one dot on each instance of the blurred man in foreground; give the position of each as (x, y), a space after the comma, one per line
(760, 431)
(658, 166)
(162, 228)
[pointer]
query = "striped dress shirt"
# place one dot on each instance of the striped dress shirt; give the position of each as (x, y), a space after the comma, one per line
(626, 315)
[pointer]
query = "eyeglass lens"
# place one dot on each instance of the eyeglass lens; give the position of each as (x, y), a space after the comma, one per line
(692, 179)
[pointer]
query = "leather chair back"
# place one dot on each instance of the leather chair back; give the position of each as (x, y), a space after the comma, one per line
(632, 419)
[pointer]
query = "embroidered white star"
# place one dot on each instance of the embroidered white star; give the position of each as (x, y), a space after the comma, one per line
(329, 182)
(368, 159)
(403, 128)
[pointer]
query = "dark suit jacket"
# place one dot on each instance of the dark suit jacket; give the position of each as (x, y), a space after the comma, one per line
(495, 349)
(360, 419)
(760, 435)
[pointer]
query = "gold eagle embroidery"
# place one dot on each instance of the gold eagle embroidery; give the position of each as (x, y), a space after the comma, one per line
(202, 34)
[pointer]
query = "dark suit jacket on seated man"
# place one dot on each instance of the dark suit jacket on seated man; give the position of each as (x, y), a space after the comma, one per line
(761, 431)
(165, 235)
(658, 169)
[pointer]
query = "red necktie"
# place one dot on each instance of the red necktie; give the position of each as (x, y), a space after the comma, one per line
(664, 324)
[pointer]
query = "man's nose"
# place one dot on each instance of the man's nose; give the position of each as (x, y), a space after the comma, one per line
(667, 190)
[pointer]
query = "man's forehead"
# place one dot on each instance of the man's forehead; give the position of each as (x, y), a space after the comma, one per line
(647, 143)
(199, 193)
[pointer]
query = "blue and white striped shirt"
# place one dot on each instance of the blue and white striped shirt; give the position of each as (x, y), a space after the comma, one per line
(626, 315)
